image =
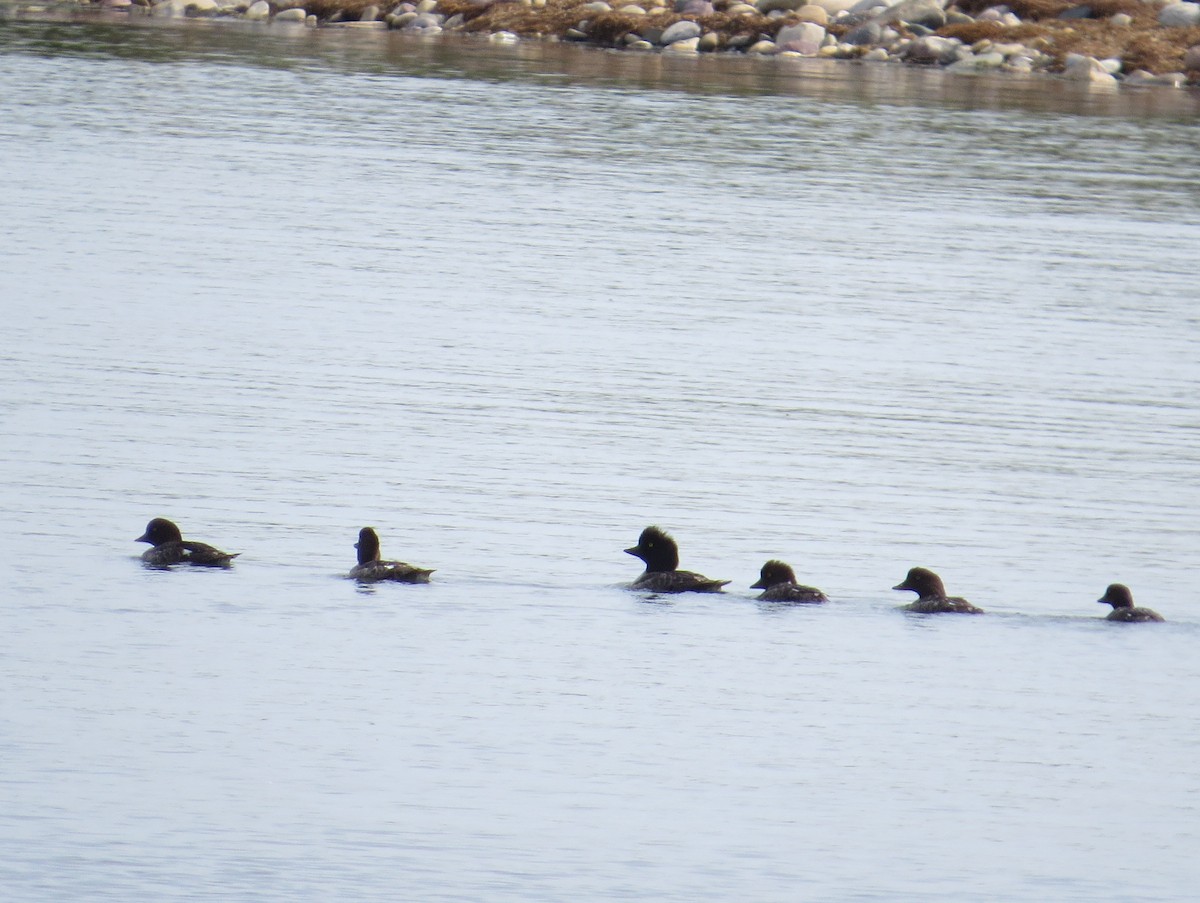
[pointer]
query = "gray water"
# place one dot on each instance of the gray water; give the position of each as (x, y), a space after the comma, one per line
(509, 306)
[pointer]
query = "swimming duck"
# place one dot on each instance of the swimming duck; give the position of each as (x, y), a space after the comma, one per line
(371, 568)
(931, 594)
(169, 547)
(1121, 599)
(777, 580)
(662, 575)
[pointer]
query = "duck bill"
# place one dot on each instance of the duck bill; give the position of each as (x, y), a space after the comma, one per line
(759, 585)
(635, 552)
(902, 586)
(143, 538)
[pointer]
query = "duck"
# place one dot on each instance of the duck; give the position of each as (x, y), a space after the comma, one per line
(1121, 599)
(169, 547)
(371, 568)
(931, 594)
(777, 580)
(662, 575)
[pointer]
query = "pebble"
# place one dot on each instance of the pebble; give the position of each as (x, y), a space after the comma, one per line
(641, 45)
(932, 49)
(503, 37)
(810, 12)
(763, 47)
(1086, 69)
(877, 55)
(632, 10)
(258, 11)
(1180, 15)
(927, 13)
(862, 35)
(804, 38)
(295, 14)
(686, 45)
(1121, 20)
(709, 41)
(684, 30)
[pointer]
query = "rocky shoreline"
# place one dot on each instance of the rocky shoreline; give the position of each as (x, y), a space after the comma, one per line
(1131, 42)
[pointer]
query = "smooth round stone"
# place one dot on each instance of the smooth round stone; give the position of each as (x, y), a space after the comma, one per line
(958, 17)
(1019, 64)
(927, 13)
(454, 22)
(632, 10)
(742, 9)
(311, 21)
(810, 12)
(1171, 79)
(425, 22)
(402, 19)
(258, 10)
(426, 6)
(863, 35)
(804, 38)
(1086, 69)
(694, 7)
(575, 34)
(877, 55)
(709, 41)
(641, 45)
(1009, 49)
(599, 6)
(1121, 20)
(770, 6)
(295, 14)
(369, 14)
(684, 30)
(740, 41)
(763, 48)
(1180, 15)
(833, 7)
(503, 37)
(687, 45)
(1111, 65)
(932, 49)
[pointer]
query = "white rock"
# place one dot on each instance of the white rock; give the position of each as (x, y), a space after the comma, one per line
(1086, 69)
(1121, 20)
(503, 37)
(878, 55)
(641, 45)
(598, 6)
(687, 45)
(258, 10)
(833, 7)
(632, 10)
(683, 30)
(1180, 15)
(762, 47)
(1111, 66)
(295, 14)
(804, 38)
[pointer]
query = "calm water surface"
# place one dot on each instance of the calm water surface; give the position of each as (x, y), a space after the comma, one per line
(510, 305)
